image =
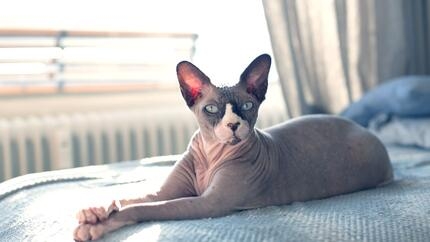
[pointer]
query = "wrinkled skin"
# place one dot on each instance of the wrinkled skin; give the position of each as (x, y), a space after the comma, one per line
(230, 166)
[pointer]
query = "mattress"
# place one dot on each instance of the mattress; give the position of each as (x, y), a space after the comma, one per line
(42, 207)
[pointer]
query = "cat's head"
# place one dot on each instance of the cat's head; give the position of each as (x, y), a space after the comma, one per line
(225, 114)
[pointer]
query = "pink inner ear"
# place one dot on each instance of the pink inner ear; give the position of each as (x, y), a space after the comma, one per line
(254, 76)
(195, 86)
(250, 88)
(195, 92)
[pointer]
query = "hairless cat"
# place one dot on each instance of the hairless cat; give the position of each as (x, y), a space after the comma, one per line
(229, 165)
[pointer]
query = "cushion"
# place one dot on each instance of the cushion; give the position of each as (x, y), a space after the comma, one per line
(407, 96)
(402, 131)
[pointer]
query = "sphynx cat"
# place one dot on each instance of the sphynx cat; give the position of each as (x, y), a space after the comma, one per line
(229, 165)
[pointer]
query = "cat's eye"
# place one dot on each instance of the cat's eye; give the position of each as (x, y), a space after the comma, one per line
(211, 108)
(247, 106)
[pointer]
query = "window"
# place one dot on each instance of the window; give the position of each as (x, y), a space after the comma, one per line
(59, 46)
(42, 62)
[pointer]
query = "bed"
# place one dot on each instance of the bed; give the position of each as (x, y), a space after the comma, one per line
(42, 206)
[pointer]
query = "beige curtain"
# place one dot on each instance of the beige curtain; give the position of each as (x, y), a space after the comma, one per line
(328, 53)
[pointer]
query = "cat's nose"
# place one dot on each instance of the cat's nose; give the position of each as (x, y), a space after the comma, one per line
(233, 126)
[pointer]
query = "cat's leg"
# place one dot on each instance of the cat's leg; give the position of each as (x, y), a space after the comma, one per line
(181, 208)
(178, 184)
(223, 196)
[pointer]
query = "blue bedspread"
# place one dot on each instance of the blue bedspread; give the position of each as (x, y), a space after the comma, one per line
(42, 207)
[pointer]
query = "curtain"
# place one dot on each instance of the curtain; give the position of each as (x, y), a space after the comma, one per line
(328, 53)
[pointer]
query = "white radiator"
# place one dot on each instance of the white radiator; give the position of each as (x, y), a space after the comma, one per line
(37, 144)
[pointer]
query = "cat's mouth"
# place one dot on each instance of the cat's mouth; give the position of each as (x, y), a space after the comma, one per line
(235, 140)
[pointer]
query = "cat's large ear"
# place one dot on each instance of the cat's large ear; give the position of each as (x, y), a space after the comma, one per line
(192, 81)
(254, 78)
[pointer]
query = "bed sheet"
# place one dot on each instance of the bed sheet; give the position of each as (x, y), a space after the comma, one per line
(42, 207)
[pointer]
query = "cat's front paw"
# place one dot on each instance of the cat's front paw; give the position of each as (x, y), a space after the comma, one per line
(86, 232)
(95, 215)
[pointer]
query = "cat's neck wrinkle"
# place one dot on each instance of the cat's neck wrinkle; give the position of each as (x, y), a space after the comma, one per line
(211, 156)
(215, 151)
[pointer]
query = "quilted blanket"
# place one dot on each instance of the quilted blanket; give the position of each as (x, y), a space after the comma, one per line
(42, 207)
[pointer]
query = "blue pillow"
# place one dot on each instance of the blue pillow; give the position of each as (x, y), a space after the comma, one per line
(407, 96)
